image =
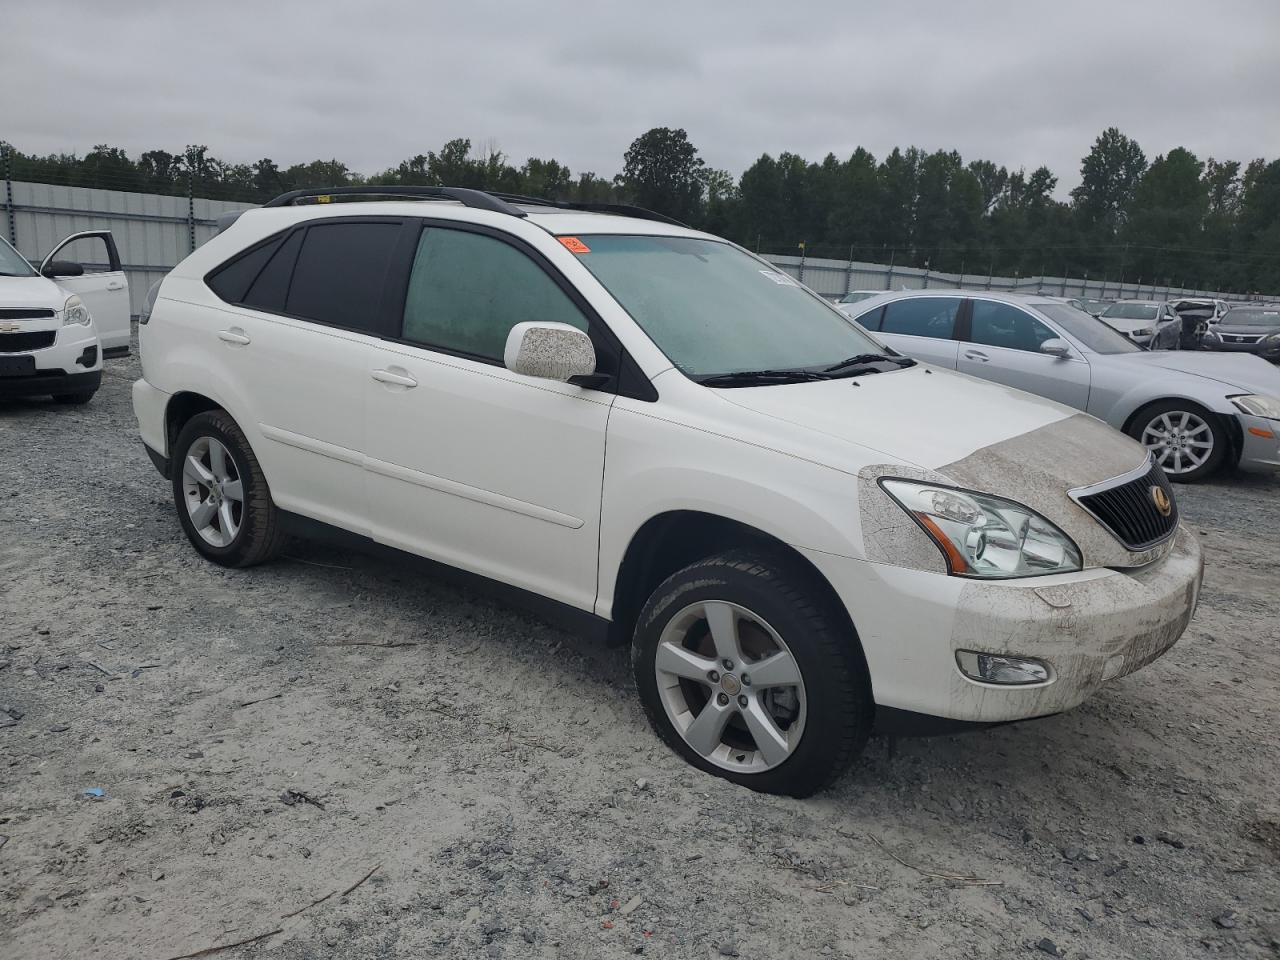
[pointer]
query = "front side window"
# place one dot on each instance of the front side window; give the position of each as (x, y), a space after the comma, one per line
(714, 310)
(922, 317)
(341, 273)
(467, 290)
(12, 263)
(996, 324)
(1088, 330)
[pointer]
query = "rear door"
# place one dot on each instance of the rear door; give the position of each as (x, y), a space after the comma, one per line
(920, 327)
(1004, 346)
(103, 287)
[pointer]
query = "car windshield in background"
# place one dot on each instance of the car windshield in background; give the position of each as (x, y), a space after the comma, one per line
(1132, 311)
(857, 295)
(12, 263)
(1253, 318)
(1090, 331)
(715, 310)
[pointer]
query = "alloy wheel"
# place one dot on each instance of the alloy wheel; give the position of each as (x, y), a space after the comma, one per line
(212, 492)
(1180, 441)
(730, 686)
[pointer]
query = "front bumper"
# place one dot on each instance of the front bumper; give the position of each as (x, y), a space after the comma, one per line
(72, 364)
(1089, 627)
(1269, 351)
(47, 383)
(1259, 444)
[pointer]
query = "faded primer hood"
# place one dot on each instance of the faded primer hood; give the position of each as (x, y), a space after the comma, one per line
(1039, 469)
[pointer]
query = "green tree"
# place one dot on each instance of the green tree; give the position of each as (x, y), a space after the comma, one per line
(662, 171)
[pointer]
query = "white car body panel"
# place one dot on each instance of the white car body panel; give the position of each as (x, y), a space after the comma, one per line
(105, 293)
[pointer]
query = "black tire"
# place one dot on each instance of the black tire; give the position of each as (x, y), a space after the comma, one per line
(1174, 408)
(839, 709)
(260, 536)
(74, 399)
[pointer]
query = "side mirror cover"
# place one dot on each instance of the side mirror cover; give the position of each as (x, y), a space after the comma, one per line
(1056, 347)
(553, 351)
(62, 268)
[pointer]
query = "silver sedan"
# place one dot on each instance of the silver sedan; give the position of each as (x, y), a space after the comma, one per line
(1196, 412)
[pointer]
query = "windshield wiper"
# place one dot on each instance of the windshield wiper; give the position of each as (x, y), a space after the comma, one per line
(750, 378)
(862, 359)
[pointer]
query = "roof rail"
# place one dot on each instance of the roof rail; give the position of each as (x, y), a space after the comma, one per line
(620, 209)
(467, 197)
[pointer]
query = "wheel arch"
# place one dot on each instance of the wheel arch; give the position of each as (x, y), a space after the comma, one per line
(672, 540)
(1229, 424)
(182, 406)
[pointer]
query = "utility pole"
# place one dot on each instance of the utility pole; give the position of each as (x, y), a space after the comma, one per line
(8, 196)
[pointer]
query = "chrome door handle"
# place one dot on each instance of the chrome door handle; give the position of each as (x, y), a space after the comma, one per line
(975, 355)
(234, 335)
(399, 379)
(115, 285)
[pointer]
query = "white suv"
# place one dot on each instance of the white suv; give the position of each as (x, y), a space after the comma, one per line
(57, 323)
(803, 535)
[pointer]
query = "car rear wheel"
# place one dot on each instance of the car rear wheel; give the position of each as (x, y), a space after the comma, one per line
(745, 671)
(1186, 440)
(221, 494)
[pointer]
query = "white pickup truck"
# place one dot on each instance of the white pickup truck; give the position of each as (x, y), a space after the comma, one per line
(59, 321)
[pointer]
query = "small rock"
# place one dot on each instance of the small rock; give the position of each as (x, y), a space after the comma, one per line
(1085, 913)
(728, 949)
(332, 936)
(1048, 946)
(194, 754)
(1026, 836)
(176, 794)
(1227, 919)
(157, 875)
(631, 905)
(98, 688)
(1139, 838)
(1171, 841)
(60, 728)
(956, 804)
(642, 784)
(1072, 853)
(472, 915)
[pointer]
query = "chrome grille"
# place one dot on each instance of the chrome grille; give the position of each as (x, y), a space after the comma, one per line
(1126, 506)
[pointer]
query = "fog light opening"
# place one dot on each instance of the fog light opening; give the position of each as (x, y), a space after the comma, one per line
(1006, 671)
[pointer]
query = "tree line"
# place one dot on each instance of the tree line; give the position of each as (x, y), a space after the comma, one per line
(1177, 219)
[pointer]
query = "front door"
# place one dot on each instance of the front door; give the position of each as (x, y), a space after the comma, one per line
(923, 328)
(467, 462)
(103, 286)
(1005, 347)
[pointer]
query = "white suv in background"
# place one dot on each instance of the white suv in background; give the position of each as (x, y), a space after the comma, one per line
(802, 535)
(57, 323)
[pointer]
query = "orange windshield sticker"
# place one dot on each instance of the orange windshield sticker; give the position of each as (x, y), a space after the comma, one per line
(574, 245)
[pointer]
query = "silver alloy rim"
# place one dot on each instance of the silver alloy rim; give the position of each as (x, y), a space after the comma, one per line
(730, 686)
(212, 492)
(1180, 441)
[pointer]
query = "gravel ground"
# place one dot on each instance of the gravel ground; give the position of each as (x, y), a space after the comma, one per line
(265, 739)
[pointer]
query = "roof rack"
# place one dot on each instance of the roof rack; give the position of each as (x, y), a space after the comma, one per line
(480, 199)
(463, 195)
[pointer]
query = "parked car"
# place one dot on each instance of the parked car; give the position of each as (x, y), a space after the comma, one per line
(1197, 413)
(1209, 309)
(1196, 317)
(1247, 330)
(50, 338)
(1089, 305)
(1148, 323)
(802, 535)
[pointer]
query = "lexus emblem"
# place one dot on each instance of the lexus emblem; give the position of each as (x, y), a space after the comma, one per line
(1162, 501)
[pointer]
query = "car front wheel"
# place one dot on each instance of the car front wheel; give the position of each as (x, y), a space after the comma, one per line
(1187, 441)
(746, 671)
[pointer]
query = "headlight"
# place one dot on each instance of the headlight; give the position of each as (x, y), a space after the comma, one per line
(983, 536)
(149, 303)
(1214, 334)
(1268, 407)
(74, 311)
(1274, 338)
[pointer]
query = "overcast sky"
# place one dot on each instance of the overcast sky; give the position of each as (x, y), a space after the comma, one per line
(1022, 83)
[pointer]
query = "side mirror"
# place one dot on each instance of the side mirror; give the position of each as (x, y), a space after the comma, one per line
(553, 351)
(1056, 347)
(62, 268)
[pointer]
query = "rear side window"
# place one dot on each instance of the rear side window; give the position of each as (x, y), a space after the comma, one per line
(341, 272)
(467, 290)
(871, 319)
(922, 317)
(269, 289)
(1001, 325)
(231, 282)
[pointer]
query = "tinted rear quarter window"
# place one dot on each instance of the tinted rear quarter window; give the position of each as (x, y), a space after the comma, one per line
(922, 317)
(231, 282)
(268, 290)
(341, 273)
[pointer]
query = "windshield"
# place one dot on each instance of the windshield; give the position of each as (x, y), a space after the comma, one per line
(1090, 331)
(714, 309)
(1253, 318)
(1132, 311)
(12, 263)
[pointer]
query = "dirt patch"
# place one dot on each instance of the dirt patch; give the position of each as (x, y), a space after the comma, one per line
(482, 785)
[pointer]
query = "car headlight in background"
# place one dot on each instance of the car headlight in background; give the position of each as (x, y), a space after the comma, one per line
(74, 311)
(1274, 338)
(984, 536)
(149, 303)
(1266, 407)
